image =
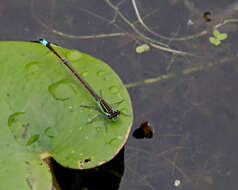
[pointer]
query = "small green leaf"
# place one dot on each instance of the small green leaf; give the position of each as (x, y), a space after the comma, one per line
(219, 35)
(142, 48)
(214, 41)
(216, 33)
(222, 36)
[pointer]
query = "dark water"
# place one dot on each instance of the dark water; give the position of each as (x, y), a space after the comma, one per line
(193, 108)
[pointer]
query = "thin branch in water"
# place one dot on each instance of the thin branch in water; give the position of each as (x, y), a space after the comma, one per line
(184, 72)
(146, 16)
(116, 9)
(115, 13)
(101, 18)
(152, 42)
(144, 25)
(180, 170)
(194, 36)
(44, 25)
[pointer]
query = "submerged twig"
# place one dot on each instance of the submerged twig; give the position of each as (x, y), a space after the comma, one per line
(226, 20)
(184, 72)
(142, 37)
(144, 25)
(116, 9)
(204, 32)
(152, 42)
(77, 36)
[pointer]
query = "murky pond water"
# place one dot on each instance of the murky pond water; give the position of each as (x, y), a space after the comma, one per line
(184, 85)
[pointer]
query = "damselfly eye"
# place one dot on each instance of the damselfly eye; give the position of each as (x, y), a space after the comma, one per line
(113, 115)
(109, 116)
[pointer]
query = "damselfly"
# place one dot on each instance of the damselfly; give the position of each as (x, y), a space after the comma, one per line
(105, 107)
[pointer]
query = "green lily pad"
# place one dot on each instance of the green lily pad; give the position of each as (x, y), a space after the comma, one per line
(214, 41)
(42, 114)
(20, 168)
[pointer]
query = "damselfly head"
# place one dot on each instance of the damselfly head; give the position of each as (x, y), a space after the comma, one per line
(44, 42)
(113, 115)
